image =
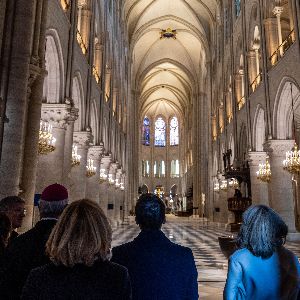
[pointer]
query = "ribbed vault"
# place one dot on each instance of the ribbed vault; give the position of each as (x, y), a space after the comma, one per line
(165, 72)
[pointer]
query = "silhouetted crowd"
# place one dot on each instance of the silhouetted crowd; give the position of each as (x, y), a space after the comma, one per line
(68, 255)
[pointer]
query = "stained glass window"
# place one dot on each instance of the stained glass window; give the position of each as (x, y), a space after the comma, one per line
(160, 132)
(174, 135)
(146, 132)
(237, 7)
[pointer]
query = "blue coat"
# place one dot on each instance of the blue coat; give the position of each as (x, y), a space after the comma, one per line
(158, 268)
(255, 278)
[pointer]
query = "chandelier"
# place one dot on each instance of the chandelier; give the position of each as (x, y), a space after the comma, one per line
(292, 158)
(90, 169)
(224, 185)
(233, 183)
(75, 157)
(110, 179)
(264, 171)
(46, 139)
(122, 186)
(117, 183)
(217, 187)
(103, 176)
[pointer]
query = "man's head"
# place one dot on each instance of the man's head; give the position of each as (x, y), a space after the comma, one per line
(150, 212)
(14, 208)
(53, 200)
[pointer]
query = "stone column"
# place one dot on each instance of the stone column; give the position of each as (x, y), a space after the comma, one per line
(259, 188)
(98, 57)
(69, 148)
(252, 69)
(113, 199)
(85, 27)
(277, 11)
(272, 38)
(15, 85)
(78, 174)
(280, 187)
(103, 189)
(107, 83)
(92, 183)
(51, 166)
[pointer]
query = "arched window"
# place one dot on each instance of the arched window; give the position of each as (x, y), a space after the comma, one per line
(162, 169)
(146, 132)
(174, 135)
(174, 168)
(237, 7)
(160, 132)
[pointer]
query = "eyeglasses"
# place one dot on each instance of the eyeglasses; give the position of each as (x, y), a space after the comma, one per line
(20, 211)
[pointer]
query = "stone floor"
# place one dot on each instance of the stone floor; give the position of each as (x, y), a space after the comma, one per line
(203, 240)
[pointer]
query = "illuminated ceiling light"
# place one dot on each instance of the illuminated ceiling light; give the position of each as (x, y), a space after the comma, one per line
(168, 33)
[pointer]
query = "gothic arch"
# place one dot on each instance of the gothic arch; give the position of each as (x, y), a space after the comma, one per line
(282, 115)
(78, 99)
(259, 128)
(54, 81)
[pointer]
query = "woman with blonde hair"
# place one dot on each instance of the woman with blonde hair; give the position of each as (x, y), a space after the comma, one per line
(79, 249)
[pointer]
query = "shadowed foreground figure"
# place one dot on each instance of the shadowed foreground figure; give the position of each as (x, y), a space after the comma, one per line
(27, 251)
(158, 268)
(79, 249)
(262, 268)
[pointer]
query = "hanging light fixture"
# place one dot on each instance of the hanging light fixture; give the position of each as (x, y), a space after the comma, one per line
(217, 187)
(224, 185)
(46, 139)
(233, 183)
(292, 158)
(103, 176)
(264, 171)
(111, 181)
(117, 183)
(90, 169)
(75, 157)
(122, 186)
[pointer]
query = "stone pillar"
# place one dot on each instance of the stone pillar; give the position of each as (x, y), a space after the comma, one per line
(280, 186)
(98, 57)
(15, 94)
(92, 183)
(252, 69)
(107, 83)
(103, 189)
(85, 27)
(78, 174)
(272, 38)
(259, 189)
(30, 160)
(113, 199)
(277, 11)
(51, 166)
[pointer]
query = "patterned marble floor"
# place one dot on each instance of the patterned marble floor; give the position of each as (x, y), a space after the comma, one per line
(203, 240)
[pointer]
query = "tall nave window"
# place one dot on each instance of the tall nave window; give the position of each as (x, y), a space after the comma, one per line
(174, 132)
(146, 132)
(160, 133)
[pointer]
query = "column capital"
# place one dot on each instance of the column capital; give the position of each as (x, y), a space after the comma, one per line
(95, 152)
(58, 115)
(256, 157)
(278, 147)
(105, 161)
(277, 11)
(82, 138)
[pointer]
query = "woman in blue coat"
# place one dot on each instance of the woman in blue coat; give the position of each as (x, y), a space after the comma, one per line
(262, 269)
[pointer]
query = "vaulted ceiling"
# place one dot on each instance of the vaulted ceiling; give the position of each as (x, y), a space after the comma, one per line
(165, 71)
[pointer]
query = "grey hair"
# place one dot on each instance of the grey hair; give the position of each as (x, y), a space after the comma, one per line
(54, 208)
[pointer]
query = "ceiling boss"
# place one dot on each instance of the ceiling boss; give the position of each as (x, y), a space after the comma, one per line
(168, 33)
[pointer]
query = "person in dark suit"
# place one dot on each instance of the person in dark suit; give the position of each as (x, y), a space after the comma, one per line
(14, 208)
(158, 268)
(79, 249)
(5, 230)
(28, 250)
(262, 268)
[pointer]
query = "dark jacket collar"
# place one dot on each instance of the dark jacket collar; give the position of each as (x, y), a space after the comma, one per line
(151, 236)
